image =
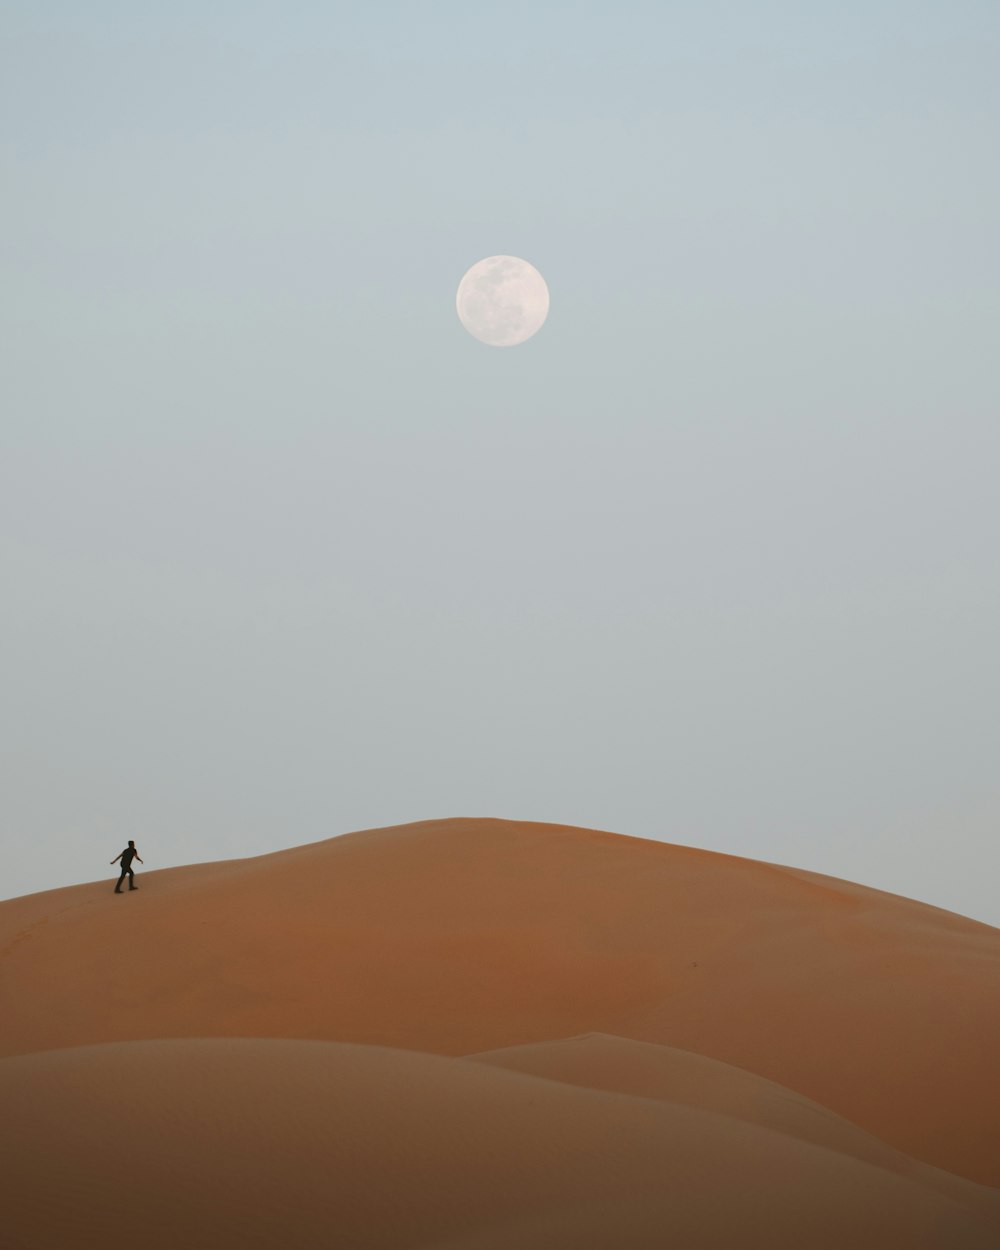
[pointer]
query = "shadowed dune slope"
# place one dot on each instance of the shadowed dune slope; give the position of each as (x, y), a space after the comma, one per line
(235, 1143)
(465, 936)
(642, 1070)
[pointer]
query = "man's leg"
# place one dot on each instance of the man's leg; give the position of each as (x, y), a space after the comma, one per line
(118, 887)
(131, 880)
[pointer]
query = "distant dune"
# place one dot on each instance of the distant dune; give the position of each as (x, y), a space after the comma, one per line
(476, 1033)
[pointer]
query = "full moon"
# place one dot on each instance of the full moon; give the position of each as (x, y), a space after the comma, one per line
(502, 301)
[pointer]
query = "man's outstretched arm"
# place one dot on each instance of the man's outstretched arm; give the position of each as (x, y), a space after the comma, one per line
(138, 857)
(118, 857)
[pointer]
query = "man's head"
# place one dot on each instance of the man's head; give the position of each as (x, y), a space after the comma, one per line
(130, 842)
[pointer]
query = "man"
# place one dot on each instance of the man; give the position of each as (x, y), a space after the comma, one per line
(126, 857)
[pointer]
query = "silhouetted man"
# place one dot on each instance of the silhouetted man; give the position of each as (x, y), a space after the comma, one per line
(126, 857)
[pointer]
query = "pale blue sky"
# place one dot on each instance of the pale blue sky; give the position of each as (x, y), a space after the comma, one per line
(712, 558)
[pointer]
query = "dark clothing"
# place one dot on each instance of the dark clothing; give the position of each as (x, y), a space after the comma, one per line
(126, 857)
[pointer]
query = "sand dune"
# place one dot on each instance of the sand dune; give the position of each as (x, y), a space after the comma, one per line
(787, 1048)
(268, 1143)
(663, 1073)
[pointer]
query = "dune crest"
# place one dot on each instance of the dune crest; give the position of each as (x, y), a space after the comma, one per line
(665, 1074)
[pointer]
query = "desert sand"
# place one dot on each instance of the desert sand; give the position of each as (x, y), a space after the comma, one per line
(478, 1033)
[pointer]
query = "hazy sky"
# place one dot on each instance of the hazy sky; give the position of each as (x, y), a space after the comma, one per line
(713, 558)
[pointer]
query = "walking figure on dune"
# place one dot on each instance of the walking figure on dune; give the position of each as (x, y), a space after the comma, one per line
(126, 857)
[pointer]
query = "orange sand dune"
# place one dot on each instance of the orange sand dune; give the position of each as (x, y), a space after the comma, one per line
(232, 1143)
(785, 1006)
(618, 1065)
